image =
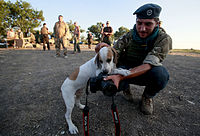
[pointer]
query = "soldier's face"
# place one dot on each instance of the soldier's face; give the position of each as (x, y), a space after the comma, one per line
(145, 27)
(60, 18)
(107, 24)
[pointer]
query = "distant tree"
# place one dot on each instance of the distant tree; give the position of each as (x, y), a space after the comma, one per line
(96, 30)
(4, 11)
(19, 14)
(71, 27)
(121, 31)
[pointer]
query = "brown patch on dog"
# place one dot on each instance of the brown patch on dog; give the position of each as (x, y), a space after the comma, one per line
(112, 52)
(74, 74)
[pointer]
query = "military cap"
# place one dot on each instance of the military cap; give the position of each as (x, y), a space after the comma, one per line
(148, 11)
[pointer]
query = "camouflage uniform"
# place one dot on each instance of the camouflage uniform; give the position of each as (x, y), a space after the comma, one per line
(76, 39)
(132, 54)
(61, 31)
(136, 54)
(44, 32)
(107, 38)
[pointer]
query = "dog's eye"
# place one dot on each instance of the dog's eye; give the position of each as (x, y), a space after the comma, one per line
(100, 61)
(108, 60)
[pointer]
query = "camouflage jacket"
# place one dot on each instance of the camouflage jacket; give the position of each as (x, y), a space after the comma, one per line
(132, 54)
(44, 30)
(61, 30)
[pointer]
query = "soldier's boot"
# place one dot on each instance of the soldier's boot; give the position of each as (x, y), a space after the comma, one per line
(65, 52)
(57, 52)
(127, 94)
(146, 105)
(48, 46)
(44, 47)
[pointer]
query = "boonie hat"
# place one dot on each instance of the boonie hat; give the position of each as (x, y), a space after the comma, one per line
(148, 11)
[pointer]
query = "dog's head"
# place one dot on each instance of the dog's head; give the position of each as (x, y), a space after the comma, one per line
(106, 59)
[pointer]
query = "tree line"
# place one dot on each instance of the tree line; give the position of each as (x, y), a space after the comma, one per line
(22, 15)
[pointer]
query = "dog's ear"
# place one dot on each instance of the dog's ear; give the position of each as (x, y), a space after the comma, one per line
(100, 45)
(114, 55)
(97, 60)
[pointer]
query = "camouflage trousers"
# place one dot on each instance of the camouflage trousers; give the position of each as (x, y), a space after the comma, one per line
(107, 40)
(76, 44)
(58, 43)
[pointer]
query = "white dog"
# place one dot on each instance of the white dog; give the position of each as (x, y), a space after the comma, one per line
(72, 88)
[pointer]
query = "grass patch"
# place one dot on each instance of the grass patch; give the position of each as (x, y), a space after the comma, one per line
(186, 51)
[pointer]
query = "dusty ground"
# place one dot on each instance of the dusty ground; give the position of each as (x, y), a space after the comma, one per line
(31, 101)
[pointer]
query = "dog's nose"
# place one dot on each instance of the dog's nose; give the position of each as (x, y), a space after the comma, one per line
(105, 71)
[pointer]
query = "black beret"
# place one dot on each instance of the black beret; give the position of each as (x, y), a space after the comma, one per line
(148, 11)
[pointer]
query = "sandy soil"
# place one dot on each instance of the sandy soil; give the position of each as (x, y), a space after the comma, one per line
(31, 101)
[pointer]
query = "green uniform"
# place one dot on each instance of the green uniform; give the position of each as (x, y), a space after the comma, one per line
(131, 53)
(62, 36)
(107, 38)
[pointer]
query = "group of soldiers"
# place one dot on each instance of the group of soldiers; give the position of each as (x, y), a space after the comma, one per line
(62, 36)
(16, 38)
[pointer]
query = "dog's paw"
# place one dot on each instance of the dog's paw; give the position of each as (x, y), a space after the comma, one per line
(73, 129)
(121, 71)
(81, 106)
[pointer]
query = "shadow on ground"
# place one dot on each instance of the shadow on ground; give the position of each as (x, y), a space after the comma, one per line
(31, 101)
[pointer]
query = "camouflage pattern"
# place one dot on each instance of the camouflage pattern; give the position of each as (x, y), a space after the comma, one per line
(44, 30)
(62, 36)
(76, 39)
(132, 54)
(107, 38)
(76, 43)
(58, 42)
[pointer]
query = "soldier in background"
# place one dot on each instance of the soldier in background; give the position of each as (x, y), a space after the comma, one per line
(107, 33)
(11, 37)
(62, 36)
(89, 37)
(76, 38)
(11, 34)
(19, 39)
(45, 32)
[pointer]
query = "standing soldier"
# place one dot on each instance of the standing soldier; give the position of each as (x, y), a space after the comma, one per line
(107, 33)
(89, 39)
(62, 35)
(45, 32)
(76, 38)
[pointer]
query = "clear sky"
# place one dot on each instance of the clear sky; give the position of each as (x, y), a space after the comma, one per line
(181, 18)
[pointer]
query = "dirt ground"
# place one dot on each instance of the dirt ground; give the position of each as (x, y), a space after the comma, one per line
(31, 101)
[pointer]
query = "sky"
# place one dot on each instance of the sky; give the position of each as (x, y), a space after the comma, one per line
(181, 18)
